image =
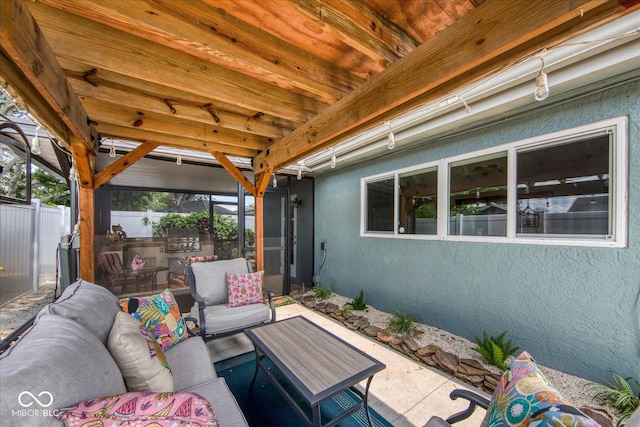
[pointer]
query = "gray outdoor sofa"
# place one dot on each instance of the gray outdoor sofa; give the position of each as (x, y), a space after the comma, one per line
(63, 359)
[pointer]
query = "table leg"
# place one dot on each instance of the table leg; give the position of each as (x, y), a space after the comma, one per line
(365, 400)
(255, 374)
(315, 412)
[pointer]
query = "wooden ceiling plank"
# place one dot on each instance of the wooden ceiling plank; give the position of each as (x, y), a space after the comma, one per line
(234, 172)
(138, 135)
(119, 115)
(282, 20)
(172, 98)
(95, 95)
(361, 27)
(174, 26)
(70, 36)
(121, 164)
(22, 42)
(495, 35)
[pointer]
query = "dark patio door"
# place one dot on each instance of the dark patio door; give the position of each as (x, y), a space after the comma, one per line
(277, 240)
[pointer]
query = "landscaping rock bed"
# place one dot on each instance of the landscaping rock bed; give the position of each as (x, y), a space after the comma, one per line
(451, 354)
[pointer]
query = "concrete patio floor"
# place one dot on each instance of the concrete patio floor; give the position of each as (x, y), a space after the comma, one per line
(406, 393)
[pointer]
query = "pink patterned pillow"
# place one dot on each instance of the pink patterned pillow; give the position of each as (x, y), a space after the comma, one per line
(245, 289)
(141, 409)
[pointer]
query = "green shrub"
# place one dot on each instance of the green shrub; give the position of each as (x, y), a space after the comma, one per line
(494, 349)
(357, 303)
(403, 323)
(619, 394)
(322, 292)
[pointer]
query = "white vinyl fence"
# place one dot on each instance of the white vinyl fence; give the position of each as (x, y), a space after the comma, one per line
(29, 237)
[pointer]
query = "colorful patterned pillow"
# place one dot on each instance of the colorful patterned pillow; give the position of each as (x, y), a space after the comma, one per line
(525, 398)
(142, 408)
(245, 289)
(160, 314)
(138, 355)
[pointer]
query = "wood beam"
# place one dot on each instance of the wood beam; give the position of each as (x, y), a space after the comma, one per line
(262, 181)
(149, 121)
(19, 86)
(235, 172)
(135, 134)
(84, 160)
(123, 163)
(22, 41)
(87, 234)
(493, 36)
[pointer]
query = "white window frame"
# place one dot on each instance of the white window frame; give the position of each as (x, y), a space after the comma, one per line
(618, 193)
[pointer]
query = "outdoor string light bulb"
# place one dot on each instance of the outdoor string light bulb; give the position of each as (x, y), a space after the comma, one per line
(299, 174)
(73, 173)
(333, 159)
(391, 140)
(35, 143)
(179, 158)
(275, 181)
(542, 88)
(112, 150)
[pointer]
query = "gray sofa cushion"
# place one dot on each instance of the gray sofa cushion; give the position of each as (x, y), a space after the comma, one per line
(221, 319)
(190, 363)
(211, 278)
(224, 405)
(59, 362)
(91, 305)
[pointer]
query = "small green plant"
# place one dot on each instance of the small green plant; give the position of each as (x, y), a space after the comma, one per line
(403, 323)
(357, 303)
(322, 292)
(619, 393)
(494, 349)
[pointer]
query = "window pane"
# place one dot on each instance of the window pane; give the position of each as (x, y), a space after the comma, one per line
(564, 189)
(478, 196)
(417, 206)
(380, 205)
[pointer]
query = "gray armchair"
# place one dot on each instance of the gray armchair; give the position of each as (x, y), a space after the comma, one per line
(208, 286)
(475, 400)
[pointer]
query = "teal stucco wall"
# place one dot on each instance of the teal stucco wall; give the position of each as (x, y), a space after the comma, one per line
(574, 309)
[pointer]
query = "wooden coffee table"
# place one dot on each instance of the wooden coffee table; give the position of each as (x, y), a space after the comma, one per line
(316, 363)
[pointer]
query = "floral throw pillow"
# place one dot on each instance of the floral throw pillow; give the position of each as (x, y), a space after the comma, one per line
(143, 408)
(160, 314)
(525, 398)
(245, 289)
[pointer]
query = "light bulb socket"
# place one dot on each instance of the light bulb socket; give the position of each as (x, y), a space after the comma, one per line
(112, 151)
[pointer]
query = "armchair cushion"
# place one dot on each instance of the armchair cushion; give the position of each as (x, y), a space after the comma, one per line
(220, 319)
(524, 397)
(244, 289)
(139, 357)
(160, 314)
(211, 278)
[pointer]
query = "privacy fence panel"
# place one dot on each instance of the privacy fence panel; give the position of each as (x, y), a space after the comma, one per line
(16, 250)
